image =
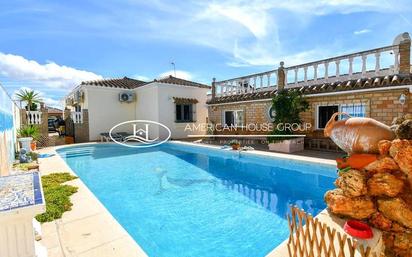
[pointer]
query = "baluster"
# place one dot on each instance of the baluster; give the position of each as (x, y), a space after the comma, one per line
(305, 78)
(296, 76)
(268, 79)
(261, 81)
(315, 72)
(337, 63)
(350, 66)
(364, 58)
(377, 62)
(286, 77)
(326, 70)
(254, 84)
(396, 56)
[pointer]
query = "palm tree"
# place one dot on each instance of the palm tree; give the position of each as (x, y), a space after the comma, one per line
(28, 96)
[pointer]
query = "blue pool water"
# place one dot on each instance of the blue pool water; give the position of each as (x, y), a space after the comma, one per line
(179, 200)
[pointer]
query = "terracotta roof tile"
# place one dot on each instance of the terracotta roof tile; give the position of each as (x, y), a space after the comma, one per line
(376, 82)
(126, 83)
(182, 82)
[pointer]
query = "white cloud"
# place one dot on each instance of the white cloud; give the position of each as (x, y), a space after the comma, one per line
(50, 74)
(141, 77)
(363, 31)
(248, 30)
(179, 74)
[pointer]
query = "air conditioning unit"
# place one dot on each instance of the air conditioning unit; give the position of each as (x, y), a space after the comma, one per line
(126, 97)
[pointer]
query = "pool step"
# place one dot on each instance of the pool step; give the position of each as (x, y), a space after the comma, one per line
(79, 152)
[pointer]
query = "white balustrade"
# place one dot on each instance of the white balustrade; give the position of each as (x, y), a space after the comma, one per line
(351, 74)
(262, 81)
(33, 117)
(77, 117)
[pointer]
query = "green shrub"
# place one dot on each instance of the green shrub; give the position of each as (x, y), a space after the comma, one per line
(57, 196)
(29, 131)
(34, 156)
(287, 105)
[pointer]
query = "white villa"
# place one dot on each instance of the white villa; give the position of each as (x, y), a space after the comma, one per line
(97, 106)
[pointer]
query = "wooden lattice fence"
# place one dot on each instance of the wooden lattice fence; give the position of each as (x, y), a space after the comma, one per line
(311, 238)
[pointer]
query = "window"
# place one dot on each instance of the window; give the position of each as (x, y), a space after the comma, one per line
(324, 114)
(184, 112)
(233, 118)
(354, 110)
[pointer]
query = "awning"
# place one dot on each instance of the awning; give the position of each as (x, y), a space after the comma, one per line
(181, 100)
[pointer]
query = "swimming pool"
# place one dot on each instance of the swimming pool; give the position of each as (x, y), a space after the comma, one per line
(182, 200)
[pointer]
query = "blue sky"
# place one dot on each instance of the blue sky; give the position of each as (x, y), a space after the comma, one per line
(51, 46)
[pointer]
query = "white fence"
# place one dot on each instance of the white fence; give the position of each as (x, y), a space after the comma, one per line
(33, 117)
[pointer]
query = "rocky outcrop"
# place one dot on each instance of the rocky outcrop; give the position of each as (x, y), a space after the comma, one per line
(385, 184)
(384, 146)
(380, 193)
(398, 144)
(385, 164)
(352, 183)
(404, 159)
(356, 207)
(397, 210)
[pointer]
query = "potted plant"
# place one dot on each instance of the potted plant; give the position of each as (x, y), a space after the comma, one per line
(28, 136)
(234, 144)
(287, 106)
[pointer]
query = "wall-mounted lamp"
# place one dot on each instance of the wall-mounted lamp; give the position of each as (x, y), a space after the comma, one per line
(402, 99)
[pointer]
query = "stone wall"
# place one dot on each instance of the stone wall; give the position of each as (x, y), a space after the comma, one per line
(255, 112)
(383, 106)
(81, 130)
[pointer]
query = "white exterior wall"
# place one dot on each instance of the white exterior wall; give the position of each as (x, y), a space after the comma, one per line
(147, 106)
(167, 108)
(154, 102)
(105, 109)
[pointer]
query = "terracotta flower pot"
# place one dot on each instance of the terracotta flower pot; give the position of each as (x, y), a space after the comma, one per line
(235, 146)
(69, 140)
(357, 135)
(33, 145)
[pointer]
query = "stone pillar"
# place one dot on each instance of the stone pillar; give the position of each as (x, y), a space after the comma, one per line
(44, 124)
(23, 117)
(213, 88)
(66, 113)
(81, 130)
(404, 41)
(281, 77)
